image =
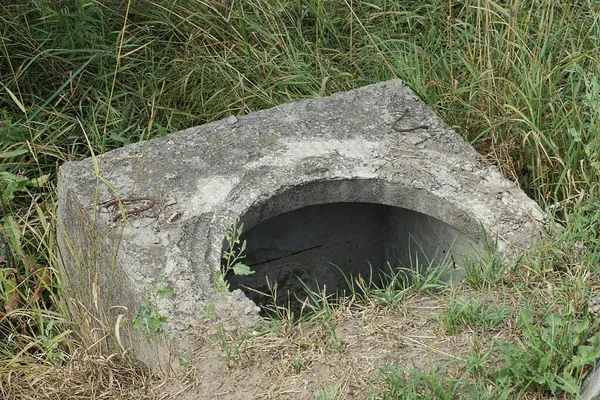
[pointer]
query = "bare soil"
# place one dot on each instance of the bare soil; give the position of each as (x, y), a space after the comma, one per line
(340, 356)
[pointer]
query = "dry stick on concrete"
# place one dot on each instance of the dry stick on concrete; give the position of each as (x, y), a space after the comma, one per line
(113, 202)
(414, 128)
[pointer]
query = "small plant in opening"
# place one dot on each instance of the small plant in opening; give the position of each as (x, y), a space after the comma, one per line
(233, 255)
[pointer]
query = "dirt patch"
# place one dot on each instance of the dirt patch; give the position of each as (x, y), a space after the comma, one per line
(338, 354)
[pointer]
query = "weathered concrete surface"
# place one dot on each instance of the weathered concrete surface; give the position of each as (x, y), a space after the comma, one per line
(340, 149)
(590, 389)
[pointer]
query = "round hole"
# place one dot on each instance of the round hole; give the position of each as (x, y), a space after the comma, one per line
(322, 246)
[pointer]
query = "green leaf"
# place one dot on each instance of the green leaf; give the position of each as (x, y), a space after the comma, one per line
(546, 361)
(137, 322)
(242, 269)
(11, 228)
(582, 326)
(585, 355)
(554, 320)
(165, 292)
(14, 153)
(8, 177)
(39, 181)
(14, 98)
(595, 340)
(157, 322)
(567, 383)
(525, 318)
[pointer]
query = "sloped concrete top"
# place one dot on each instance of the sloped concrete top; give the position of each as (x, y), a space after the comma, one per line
(349, 147)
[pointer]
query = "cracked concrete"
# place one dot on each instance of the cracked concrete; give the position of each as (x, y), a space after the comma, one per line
(313, 153)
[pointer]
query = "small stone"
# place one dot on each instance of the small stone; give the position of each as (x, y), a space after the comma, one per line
(232, 120)
(175, 215)
(251, 310)
(594, 305)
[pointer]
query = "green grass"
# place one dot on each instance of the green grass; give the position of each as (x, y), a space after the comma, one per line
(415, 385)
(519, 79)
(473, 313)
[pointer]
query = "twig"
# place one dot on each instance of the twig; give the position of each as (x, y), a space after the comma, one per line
(429, 347)
(414, 128)
(113, 202)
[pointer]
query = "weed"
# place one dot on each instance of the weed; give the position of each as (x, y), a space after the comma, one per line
(554, 355)
(479, 359)
(388, 290)
(474, 312)
(414, 385)
(390, 293)
(185, 360)
(486, 268)
(417, 385)
(209, 312)
(431, 276)
(329, 393)
(298, 362)
(149, 317)
(232, 345)
(233, 256)
(12, 184)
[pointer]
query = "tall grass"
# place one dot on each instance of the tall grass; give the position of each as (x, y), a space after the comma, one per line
(517, 78)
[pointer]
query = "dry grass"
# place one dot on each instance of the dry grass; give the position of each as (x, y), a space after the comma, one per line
(81, 377)
(336, 356)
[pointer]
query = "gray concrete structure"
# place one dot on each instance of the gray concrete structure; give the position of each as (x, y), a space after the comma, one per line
(322, 182)
(590, 389)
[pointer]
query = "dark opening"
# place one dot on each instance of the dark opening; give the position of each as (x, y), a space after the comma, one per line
(320, 244)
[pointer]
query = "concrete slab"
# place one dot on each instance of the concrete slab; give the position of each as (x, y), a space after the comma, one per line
(336, 181)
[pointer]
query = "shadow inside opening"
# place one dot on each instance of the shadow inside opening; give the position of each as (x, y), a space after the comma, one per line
(323, 248)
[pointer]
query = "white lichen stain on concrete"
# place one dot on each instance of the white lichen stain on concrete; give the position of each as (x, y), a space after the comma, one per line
(351, 148)
(210, 192)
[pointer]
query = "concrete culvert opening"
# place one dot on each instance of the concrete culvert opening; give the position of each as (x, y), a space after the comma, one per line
(323, 246)
(352, 184)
